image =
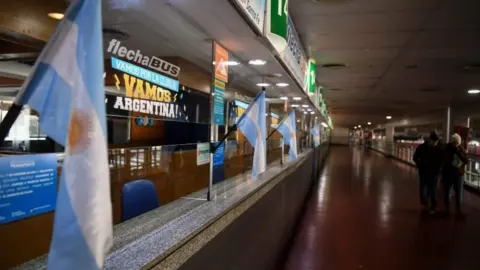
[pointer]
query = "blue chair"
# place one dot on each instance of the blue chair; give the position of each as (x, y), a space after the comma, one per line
(138, 197)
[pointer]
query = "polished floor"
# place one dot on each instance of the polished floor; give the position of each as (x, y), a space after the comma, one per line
(365, 214)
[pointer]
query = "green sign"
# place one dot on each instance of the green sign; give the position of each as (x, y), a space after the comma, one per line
(310, 79)
(277, 21)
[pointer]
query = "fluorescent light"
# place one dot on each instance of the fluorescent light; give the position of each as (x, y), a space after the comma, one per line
(56, 16)
(284, 98)
(282, 84)
(309, 110)
(324, 124)
(257, 62)
(312, 112)
(305, 106)
(263, 84)
(389, 117)
(305, 112)
(297, 98)
(369, 123)
(229, 63)
(295, 105)
(474, 91)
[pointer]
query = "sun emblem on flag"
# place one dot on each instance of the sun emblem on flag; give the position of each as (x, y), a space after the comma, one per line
(79, 131)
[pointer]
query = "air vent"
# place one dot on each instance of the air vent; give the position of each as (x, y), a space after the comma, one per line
(114, 33)
(472, 68)
(334, 65)
(430, 90)
(330, 1)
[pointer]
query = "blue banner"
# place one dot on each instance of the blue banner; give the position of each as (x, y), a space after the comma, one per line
(145, 74)
(219, 155)
(28, 186)
(218, 106)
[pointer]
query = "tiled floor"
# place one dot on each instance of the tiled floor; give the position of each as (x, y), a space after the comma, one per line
(365, 214)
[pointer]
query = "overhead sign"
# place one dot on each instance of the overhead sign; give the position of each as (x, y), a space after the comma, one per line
(203, 153)
(255, 10)
(145, 74)
(219, 103)
(310, 77)
(28, 186)
(143, 97)
(152, 62)
(295, 57)
(276, 24)
(221, 63)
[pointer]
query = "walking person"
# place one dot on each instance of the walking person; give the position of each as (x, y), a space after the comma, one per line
(454, 163)
(428, 159)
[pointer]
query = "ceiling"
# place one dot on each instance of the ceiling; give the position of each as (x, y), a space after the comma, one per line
(404, 57)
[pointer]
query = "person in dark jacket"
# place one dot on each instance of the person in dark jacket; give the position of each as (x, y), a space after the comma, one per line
(454, 163)
(428, 158)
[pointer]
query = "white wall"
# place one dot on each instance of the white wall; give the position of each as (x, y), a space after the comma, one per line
(339, 135)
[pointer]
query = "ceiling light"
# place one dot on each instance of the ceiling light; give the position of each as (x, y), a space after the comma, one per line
(305, 106)
(297, 98)
(284, 98)
(354, 127)
(316, 117)
(474, 91)
(295, 105)
(305, 112)
(56, 16)
(266, 114)
(282, 84)
(263, 84)
(369, 123)
(309, 110)
(298, 121)
(257, 62)
(324, 124)
(359, 126)
(233, 63)
(312, 112)
(389, 117)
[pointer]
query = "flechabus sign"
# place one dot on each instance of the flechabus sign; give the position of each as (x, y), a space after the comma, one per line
(115, 47)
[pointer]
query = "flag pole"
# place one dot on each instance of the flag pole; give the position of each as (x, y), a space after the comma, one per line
(7, 123)
(275, 129)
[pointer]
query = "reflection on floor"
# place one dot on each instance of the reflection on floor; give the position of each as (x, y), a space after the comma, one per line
(365, 215)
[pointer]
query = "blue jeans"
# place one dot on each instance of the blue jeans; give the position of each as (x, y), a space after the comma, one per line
(455, 182)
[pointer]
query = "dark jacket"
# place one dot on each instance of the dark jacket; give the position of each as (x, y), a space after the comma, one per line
(449, 154)
(428, 159)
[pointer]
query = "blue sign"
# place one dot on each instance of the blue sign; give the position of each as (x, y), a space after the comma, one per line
(218, 106)
(28, 186)
(145, 74)
(219, 155)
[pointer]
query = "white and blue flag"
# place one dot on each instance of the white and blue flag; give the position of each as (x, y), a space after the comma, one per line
(288, 129)
(253, 124)
(66, 88)
(316, 135)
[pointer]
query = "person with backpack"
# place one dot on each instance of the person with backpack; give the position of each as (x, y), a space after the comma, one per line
(428, 159)
(453, 169)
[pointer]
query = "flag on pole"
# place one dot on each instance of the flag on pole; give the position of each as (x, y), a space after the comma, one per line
(288, 129)
(66, 88)
(252, 124)
(316, 135)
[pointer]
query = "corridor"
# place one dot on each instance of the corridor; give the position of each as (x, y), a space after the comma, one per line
(365, 214)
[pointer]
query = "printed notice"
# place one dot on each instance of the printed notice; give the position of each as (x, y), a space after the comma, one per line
(28, 186)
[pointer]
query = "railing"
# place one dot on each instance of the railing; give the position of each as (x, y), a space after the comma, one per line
(405, 153)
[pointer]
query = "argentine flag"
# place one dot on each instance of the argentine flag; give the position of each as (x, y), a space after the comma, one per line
(288, 129)
(253, 124)
(66, 88)
(316, 135)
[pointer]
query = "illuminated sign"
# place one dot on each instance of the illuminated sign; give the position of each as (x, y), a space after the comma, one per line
(136, 56)
(145, 74)
(144, 97)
